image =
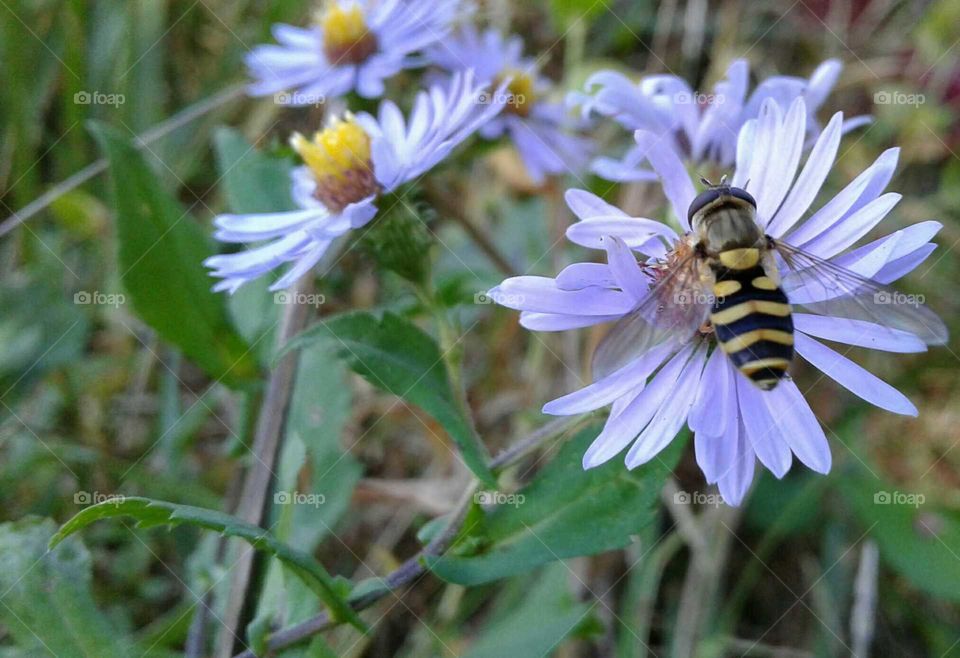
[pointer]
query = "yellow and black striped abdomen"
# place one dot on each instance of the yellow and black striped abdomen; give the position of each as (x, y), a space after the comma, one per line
(751, 318)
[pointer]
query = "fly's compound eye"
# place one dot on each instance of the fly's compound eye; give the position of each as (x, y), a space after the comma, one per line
(742, 194)
(709, 196)
(704, 198)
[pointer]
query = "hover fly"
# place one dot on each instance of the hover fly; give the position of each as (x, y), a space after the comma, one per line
(723, 277)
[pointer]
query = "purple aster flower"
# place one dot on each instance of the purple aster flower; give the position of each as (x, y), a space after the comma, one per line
(354, 45)
(348, 165)
(678, 375)
(541, 130)
(701, 127)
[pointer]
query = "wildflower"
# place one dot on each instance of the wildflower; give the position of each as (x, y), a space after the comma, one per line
(540, 129)
(354, 45)
(702, 128)
(686, 379)
(347, 167)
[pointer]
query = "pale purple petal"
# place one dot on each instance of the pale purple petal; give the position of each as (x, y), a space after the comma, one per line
(605, 391)
(587, 205)
(735, 481)
(673, 175)
(865, 188)
(670, 417)
(716, 397)
(899, 267)
(822, 82)
(848, 230)
(583, 275)
(622, 429)
(765, 149)
(265, 226)
(745, 150)
(798, 426)
(621, 171)
(782, 165)
(561, 322)
(811, 178)
(715, 455)
(858, 381)
(905, 241)
(303, 265)
(536, 293)
(762, 430)
(636, 232)
(625, 269)
(856, 122)
(858, 332)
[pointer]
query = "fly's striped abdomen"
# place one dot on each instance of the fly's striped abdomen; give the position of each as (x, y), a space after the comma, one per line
(751, 317)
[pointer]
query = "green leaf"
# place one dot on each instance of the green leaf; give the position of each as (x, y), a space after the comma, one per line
(565, 512)
(915, 538)
(533, 617)
(161, 253)
(398, 357)
(48, 605)
(151, 513)
(251, 180)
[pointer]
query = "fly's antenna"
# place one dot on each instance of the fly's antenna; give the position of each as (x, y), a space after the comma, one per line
(746, 184)
(706, 182)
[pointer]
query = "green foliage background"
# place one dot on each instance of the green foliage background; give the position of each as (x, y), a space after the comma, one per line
(155, 394)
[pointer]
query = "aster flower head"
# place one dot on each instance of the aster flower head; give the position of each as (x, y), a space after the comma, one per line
(701, 127)
(541, 129)
(347, 166)
(679, 375)
(353, 45)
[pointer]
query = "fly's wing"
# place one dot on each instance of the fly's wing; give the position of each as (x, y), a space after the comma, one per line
(677, 305)
(821, 287)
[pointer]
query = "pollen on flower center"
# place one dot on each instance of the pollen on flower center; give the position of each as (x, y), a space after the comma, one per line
(520, 93)
(339, 158)
(346, 38)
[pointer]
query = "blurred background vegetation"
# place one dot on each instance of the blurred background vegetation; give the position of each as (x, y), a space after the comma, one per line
(96, 402)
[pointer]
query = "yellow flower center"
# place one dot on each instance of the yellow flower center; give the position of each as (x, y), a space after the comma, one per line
(346, 39)
(520, 92)
(339, 158)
